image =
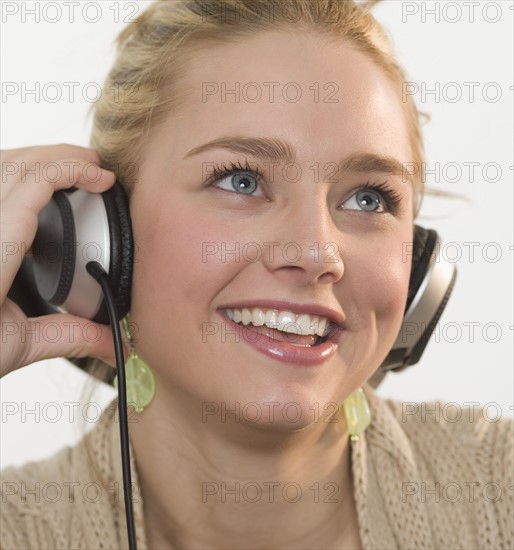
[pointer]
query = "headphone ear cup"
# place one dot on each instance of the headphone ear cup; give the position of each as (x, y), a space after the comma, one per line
(71, 222)
(431, 282)
(423, 248)
(121, 251)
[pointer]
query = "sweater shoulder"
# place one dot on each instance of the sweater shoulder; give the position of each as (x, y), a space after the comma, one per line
(452, 438)
(443, 470)
(59, 502)
(469, 424)
(33, 502)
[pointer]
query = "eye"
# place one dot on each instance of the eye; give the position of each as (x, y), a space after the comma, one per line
(376, 198)
(241, 179)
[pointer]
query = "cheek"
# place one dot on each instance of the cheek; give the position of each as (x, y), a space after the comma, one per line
(391, 290)
(380, 278)
(182, 261)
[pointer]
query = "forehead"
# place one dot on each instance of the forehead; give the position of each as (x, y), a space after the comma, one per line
(317, 93)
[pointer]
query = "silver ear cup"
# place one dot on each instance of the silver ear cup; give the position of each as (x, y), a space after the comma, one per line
(73, 230)
(77, 227)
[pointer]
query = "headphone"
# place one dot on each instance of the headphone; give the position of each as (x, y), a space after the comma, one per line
(77, 226)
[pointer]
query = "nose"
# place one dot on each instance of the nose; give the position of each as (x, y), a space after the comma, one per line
(307, 243)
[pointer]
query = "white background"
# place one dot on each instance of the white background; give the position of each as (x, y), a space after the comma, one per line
(435, 48)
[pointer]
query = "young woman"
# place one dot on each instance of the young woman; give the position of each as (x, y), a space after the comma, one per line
(240, 447)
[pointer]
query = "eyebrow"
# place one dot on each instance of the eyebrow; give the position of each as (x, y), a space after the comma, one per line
(276, 150)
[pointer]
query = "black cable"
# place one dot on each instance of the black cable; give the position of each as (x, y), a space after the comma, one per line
(99, 274)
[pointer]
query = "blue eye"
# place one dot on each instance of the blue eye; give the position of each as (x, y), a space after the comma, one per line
(243, 179)
(366, 200)
(244, 182)
(374, 198)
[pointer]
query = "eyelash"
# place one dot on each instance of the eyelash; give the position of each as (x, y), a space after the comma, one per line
(392, 198)
(219, 173)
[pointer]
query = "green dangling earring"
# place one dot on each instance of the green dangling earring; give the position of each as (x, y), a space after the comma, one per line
(357, 413)
(140, 380)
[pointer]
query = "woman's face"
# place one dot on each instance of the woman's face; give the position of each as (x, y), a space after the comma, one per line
(332, 245)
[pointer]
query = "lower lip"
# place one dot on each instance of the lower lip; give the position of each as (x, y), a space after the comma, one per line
(284, 352)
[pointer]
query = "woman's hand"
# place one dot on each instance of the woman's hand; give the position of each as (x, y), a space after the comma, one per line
(30, 176)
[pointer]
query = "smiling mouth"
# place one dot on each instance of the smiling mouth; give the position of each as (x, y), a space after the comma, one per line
(293, 338)
(287, 337)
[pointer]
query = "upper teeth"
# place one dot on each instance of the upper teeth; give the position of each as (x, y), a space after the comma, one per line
(286, 321)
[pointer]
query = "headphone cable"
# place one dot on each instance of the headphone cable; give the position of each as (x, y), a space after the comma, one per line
(99, 274)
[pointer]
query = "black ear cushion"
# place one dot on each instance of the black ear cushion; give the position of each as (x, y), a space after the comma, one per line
(54, 272)
(127, 250)
(423, 247)
(122, 251)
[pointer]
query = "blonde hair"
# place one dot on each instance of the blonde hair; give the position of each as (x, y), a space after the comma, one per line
(144, 85)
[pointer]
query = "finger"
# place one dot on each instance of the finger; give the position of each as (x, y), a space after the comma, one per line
(16, 162)
(20, 209)
(43, 153)
(66, 335)
(36, 183)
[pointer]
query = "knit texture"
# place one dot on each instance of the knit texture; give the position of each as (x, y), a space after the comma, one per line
(423, 478)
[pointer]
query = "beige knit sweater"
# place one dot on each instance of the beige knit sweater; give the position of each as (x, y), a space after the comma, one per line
(421, 480)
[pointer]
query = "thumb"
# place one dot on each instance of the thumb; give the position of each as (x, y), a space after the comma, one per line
(66, 335)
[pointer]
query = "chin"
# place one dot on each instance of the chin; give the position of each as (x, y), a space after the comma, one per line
(282, 409)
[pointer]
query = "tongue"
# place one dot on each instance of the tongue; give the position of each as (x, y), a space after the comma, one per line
(288, 337)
